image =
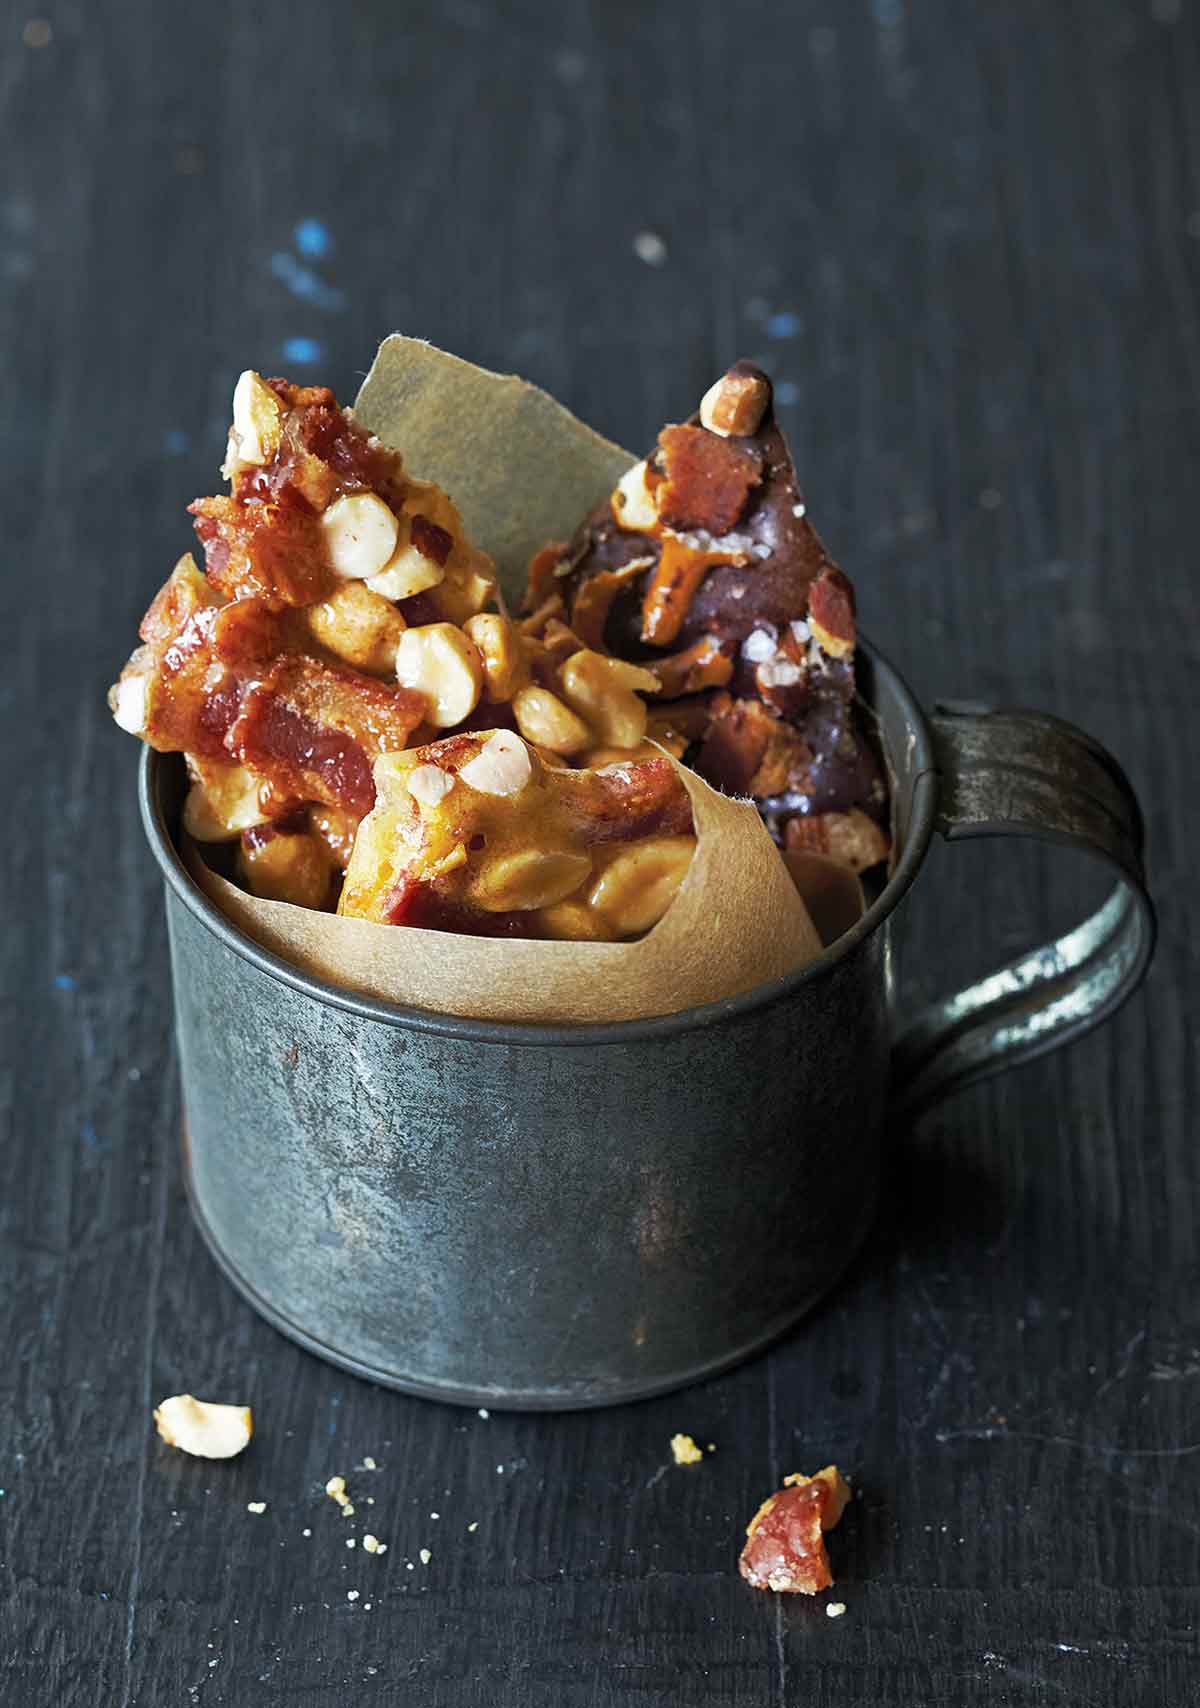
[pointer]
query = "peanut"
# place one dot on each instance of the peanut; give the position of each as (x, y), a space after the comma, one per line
(543, 719)
(736, 404)
(429, 784)
(638, 883)
(360, 535)
(288, 868)
(441, 662)
(408, 570)
(204, 1428)
(222, 802)
(505, 668)
(358, 625)
(257, 424)
(601, 690)
(572, 921)
(529, 878)
(633, 502)
(501, 767)
(129, 699)
(467, 587)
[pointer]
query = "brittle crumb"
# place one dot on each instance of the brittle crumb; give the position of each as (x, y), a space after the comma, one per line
(372, 1545)
(256, 1506)
(785, 1543)
(474, 1526)
(835, 1609)
(335, 1488)
(369, 1464)
(424, 1556)
(684, 1450)
(351, 1595)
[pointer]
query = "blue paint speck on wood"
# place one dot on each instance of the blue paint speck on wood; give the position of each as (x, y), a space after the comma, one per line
(302, 282)
(313, 238)
(783, 325)
(64, 981)
(301, 350)
(786, 392)
(176, 442)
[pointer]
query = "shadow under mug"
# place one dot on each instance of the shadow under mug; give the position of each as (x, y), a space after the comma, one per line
(556, 1216)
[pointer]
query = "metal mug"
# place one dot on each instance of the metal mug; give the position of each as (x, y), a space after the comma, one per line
(556, 1216)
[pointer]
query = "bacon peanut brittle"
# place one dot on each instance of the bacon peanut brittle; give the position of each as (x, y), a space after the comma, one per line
(314, 502)
(785, 1543)
(476, 833)
(704, 570)
(278, 671)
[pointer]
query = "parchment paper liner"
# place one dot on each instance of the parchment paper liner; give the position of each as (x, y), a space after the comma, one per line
(522, 471)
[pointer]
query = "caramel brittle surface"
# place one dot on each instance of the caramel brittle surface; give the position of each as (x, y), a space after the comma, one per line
(479, 833)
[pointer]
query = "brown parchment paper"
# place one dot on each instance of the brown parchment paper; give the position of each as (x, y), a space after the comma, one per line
(523, 470)
(737, 920)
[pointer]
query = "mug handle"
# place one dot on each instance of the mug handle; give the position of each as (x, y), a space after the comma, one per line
(1019, 773)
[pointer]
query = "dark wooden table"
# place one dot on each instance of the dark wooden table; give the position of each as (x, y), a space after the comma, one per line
(966, 239)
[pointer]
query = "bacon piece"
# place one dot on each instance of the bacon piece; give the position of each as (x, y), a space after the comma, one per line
(851, 838)
(271, 549)
(746, 750)
(734, 744)
(785, 1545)
(625, 801)
(431, 541)
(705, 480)
(223, 683)
(313, 730)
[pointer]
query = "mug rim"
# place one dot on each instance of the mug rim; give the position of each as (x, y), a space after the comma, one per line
(919, 765)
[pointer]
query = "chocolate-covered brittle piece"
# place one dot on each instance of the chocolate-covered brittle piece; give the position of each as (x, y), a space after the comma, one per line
(785, 1543)
(704, 568)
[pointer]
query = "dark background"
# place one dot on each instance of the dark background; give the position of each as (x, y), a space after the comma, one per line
(966, 240)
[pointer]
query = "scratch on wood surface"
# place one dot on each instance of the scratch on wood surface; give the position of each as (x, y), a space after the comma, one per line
(1093, 1449)
(1122, 1371)
(154, 1269)
(781, 1660)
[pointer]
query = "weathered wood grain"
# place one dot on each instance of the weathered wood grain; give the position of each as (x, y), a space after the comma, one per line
(966, 239)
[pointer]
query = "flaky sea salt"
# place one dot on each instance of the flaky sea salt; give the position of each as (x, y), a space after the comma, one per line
(760, 644)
